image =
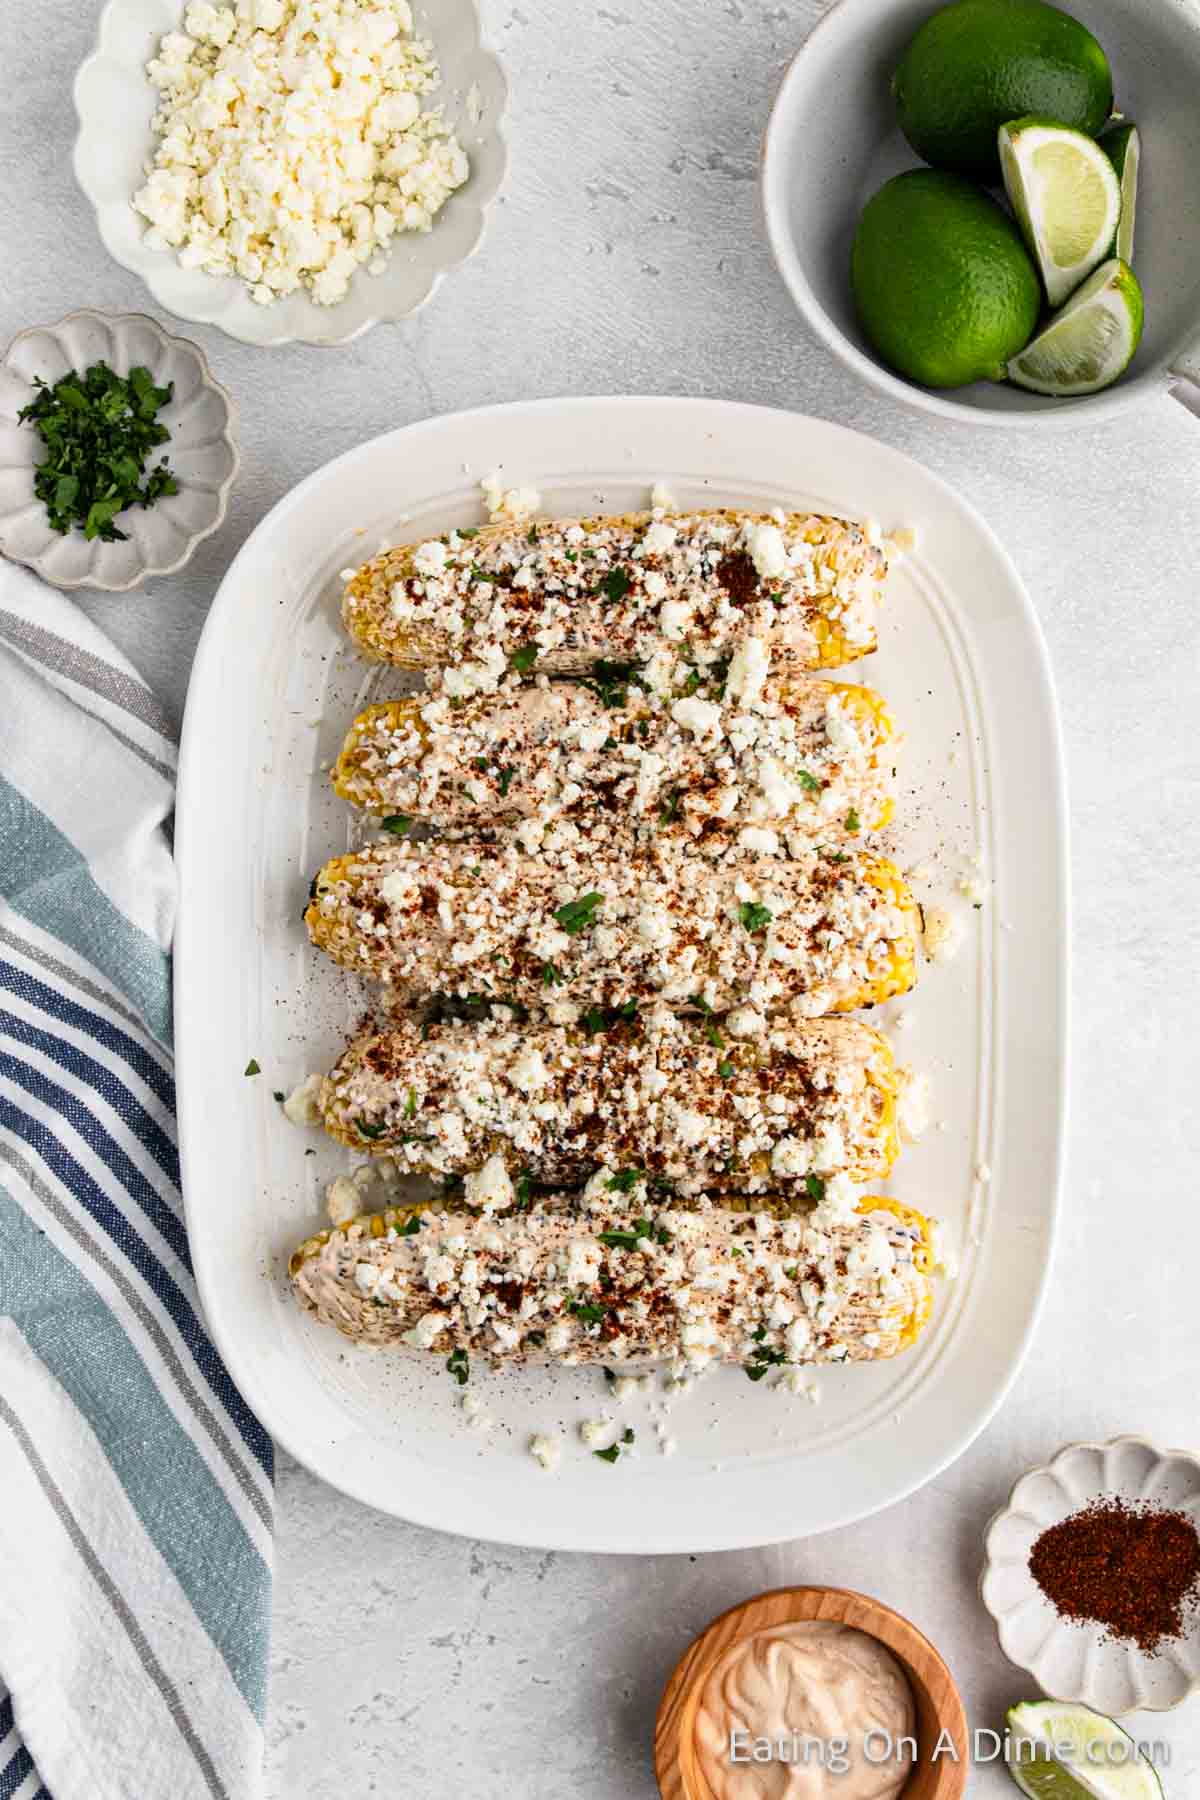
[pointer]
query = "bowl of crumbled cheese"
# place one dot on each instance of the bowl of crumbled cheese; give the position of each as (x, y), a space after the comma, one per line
(292, 171)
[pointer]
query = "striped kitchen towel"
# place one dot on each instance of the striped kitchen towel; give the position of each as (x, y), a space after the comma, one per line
(135, 1485)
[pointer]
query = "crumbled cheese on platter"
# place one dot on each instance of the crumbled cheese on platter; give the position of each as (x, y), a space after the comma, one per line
(805, 937)
(804, 756)
(808, 1100)
(567, 592)
(645, 1284)
(944, 933)
(294, 144)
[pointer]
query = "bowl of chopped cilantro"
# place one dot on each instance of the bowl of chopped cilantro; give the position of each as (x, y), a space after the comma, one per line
(117, 450)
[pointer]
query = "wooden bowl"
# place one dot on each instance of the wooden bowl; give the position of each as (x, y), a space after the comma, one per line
(938, 1704)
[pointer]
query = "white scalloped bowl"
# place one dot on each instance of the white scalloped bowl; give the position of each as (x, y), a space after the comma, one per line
(1072, 1661)
(116, 103)
(200, 417)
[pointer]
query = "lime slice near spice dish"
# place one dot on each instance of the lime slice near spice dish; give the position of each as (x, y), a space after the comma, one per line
(1063, 1752)
(1066, 194)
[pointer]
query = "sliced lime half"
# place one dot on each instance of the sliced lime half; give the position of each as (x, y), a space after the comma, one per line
(1062, 1752)
(1067, 198)
(1091, 342)
(1123, 147)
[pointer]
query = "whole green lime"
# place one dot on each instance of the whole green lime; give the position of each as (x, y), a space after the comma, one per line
(946, 290)
(978, 63)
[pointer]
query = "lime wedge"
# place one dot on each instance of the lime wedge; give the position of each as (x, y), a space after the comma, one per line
(1067, 198)
(1061, 1752)
(1123, 147)
(1091, 342)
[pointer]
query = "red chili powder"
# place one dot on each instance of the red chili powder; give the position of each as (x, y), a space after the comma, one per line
(1133, 1569)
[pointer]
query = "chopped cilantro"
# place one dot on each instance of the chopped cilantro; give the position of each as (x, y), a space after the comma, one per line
(576, 915)
(521, 1188)
(550, 976)
(610, 1455)
(523, 658)
(814, 1187)
(459, 1365)
(710, 1030)
(98, 430)
(639, 1230)
(763, 1359)
(624, 1181)
(584, 1309)
(754, 916)
(725, 1069)
(410, 1105)
(616, 584)
(605, 1018)
(809, 783)
(531, 536)
(398, 824)
(611, 682)
(853, 822)
(469, 532)
(410, 1227)
(505, 776)
(252, 1068)
(669, 810)
(368, 1131)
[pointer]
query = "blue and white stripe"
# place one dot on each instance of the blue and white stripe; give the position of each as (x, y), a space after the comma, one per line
(136, 1529)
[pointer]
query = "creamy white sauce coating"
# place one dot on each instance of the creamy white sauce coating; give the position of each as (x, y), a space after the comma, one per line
(813, 1683)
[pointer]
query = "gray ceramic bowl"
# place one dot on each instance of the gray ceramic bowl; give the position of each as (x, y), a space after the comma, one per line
(202, 452)
(833, 140)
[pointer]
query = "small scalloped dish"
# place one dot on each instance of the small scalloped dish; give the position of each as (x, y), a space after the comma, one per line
(201, 451)
(1081, 1662)
(116, 104)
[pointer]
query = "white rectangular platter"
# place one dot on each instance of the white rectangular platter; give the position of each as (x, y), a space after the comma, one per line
(961, 662)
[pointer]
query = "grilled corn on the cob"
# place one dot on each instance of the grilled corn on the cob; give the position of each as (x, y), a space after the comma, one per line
(805, 937)
(810, 756)
(679, 1098)
(616, 1278)
(571, 591)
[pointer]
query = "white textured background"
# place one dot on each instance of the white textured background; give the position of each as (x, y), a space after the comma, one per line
(625, 256)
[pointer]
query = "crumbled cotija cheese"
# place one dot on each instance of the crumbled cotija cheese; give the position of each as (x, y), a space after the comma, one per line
(913, 1106)
(293, 144)
(944, 933)
(301, 1107)
(508, 505)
